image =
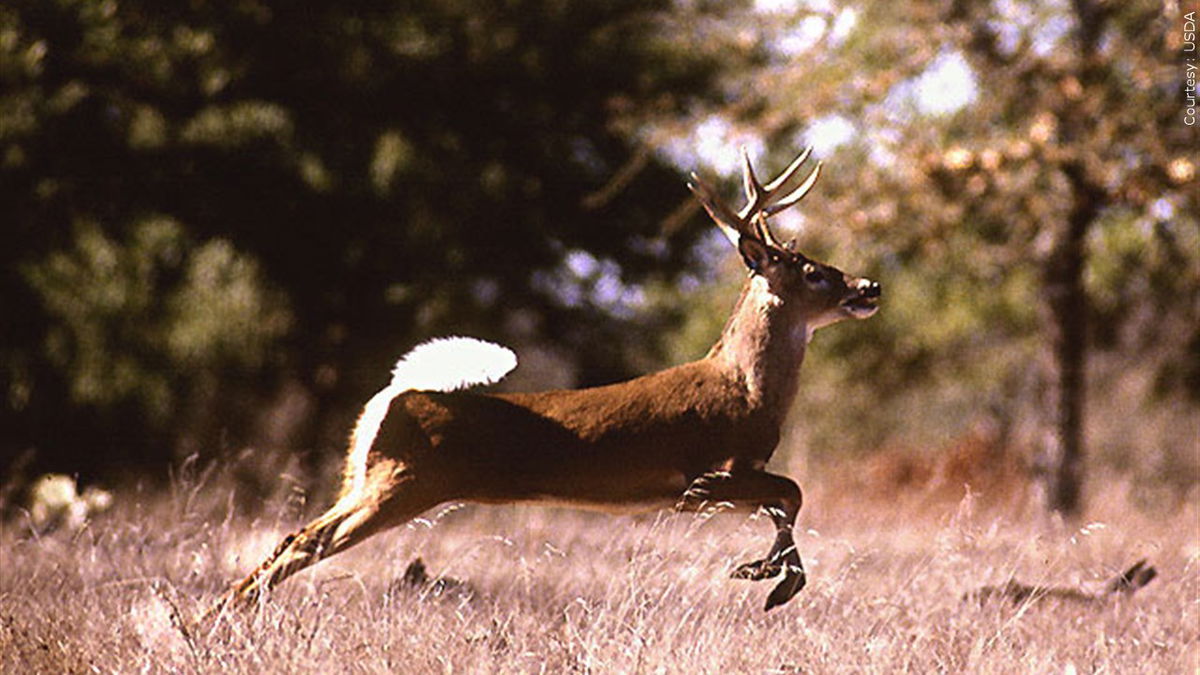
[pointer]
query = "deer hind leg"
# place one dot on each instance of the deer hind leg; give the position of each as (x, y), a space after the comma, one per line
(383, 502)
(780, 497)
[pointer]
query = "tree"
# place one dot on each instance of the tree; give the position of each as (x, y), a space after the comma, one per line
(984, 151)
(212, 203)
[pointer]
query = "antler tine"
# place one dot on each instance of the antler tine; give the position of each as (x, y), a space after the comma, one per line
(751, 220)
(732, 225)
(764, 233)
(715, 207)
(790, 171)
(796, 194)
(756, 196)
(760, 198)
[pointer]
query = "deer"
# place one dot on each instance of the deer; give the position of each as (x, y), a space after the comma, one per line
(692, 435)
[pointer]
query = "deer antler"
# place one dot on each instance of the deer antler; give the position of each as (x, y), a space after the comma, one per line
(421, 442)
(762, 201)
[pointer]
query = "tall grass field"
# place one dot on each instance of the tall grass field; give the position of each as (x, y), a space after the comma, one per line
(525, 589)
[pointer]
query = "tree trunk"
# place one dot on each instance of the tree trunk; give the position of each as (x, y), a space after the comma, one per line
(1068, 304)
(1068, 331)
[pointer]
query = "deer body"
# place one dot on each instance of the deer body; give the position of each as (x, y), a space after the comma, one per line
(624, 446)
(691, 435)
(550, 447)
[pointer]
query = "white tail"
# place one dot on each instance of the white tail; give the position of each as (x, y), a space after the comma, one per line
(696, 434)
(449, 364)
(442, 364)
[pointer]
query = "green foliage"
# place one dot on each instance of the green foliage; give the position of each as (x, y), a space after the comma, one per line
(122, 310)
(209, 205)
(958, 195)
(189, 188)
(1142, 271)
(221, 315)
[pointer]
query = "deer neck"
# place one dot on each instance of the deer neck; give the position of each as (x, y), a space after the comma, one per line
(762, 347)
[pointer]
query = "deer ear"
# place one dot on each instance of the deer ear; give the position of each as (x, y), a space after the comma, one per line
(755, 253)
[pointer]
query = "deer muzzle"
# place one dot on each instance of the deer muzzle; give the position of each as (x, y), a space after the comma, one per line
(863, 300)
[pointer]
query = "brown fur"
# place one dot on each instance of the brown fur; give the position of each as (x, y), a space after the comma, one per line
(710, 425)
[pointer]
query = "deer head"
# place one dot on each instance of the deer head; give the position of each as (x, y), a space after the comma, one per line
(705, 428)
(822, 293)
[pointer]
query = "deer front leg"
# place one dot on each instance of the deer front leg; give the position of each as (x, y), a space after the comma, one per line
(780, 497)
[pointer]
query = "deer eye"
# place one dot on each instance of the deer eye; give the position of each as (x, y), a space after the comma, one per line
(813, 275)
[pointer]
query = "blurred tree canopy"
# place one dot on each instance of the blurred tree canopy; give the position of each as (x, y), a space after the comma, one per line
(1021, 177)
(224, 221)
(219, 212)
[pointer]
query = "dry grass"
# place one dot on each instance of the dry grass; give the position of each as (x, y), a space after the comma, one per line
(558, 591)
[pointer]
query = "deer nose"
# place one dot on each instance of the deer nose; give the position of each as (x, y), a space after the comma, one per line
(869, 289)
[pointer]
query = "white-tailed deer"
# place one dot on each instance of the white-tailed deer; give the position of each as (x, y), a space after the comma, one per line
(699, 433)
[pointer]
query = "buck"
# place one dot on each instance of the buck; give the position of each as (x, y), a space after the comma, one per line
(695, 434)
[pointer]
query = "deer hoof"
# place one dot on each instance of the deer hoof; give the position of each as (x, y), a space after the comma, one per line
(757, 570)
(792, 582)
